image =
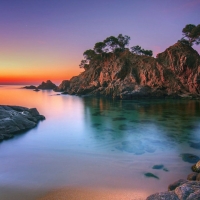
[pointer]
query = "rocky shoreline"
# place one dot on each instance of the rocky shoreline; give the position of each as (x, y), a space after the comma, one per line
(15, 119)
(182, 189)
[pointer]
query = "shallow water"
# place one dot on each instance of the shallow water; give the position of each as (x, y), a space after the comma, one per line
(98, 143)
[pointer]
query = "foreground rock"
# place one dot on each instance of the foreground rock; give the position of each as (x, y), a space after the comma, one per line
(47, 86)
(174, 73)
(182, 189)
(15, 119)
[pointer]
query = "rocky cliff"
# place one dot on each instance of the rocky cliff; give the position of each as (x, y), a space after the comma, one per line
(125, 75)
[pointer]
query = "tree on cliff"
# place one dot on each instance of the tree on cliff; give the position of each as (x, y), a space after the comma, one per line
(88, 55)
(139, 51)
(192, 33)
(99, 47)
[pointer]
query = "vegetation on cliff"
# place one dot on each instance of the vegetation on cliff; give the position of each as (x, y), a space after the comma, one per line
(111, 45)
(113, 70)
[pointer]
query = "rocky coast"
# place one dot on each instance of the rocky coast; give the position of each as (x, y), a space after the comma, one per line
(173, 73)
(15, 119)
(182, 189)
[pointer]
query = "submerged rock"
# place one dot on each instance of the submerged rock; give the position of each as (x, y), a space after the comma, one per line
(196, 167)
(15, 119)
(191, 158)
(158, 167)
(150, 175)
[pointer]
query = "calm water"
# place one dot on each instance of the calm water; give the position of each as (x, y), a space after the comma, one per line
(97, 143)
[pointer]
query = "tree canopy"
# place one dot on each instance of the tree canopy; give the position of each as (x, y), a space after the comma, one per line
(191, 33)
(139, 51)
(111, 44)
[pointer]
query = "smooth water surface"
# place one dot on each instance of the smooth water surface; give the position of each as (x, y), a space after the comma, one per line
(98, 143)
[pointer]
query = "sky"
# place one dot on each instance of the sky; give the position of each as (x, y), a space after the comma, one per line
(45, 39)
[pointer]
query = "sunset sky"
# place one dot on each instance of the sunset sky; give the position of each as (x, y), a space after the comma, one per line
(45, 39)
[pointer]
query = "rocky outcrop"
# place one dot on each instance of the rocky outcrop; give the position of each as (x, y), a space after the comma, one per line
(14, 119)
(182, 189)
(47, 86)
(63, 86)
(175, 72)
(31, 87)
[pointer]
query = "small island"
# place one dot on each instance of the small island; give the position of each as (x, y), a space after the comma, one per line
(15, 119)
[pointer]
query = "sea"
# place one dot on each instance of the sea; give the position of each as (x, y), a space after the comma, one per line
(140, 145)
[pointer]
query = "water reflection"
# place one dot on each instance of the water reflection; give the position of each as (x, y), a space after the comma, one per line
(144, 126)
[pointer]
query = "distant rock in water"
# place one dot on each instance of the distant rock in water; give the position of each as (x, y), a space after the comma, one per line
(63, 86)
(47, 86)
(31, 87)
(124, 75)
(36, 90)
(15, 119)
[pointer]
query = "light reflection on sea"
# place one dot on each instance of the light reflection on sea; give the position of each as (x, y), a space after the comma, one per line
(98, 143)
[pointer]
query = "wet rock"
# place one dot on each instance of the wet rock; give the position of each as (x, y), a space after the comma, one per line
(192, 176)
(191, 158)
(163, 196)
(14, 119)
(158, 167)
(188, 191)
(196, 167)
(174, 185)
(150, 175)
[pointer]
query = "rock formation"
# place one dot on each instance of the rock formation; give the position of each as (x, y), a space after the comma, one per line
(182, 189)
(47, 86)
(125, 75)
(31, 87)
(63, 86)
(15, 119)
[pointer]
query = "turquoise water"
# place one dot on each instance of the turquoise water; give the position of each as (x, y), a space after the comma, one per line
(98, 143)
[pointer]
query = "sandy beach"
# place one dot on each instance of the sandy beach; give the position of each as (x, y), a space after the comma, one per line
(94, 194)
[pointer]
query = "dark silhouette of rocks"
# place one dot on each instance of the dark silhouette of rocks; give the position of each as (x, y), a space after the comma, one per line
(124, 75)
(14, 119)
(47, 86)
(31, 87)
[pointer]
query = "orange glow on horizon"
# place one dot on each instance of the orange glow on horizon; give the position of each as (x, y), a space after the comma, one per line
(37, 76)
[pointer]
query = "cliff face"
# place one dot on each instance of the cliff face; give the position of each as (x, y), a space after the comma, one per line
(126, 75)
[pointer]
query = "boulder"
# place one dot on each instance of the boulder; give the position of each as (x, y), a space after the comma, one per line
(192, 176)
(174, 185)
(196, 167)
(163, 196)
(15, 119)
